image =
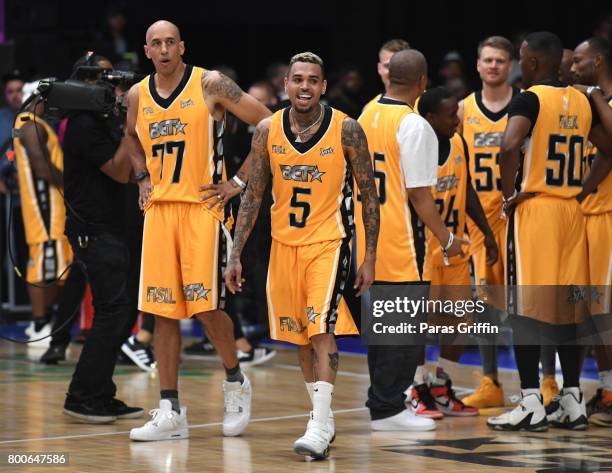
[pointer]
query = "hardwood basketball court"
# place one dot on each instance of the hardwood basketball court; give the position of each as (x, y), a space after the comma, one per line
(32, 421)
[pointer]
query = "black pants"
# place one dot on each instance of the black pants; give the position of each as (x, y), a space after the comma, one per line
(392, 369)
(106, 259)
(69, 305)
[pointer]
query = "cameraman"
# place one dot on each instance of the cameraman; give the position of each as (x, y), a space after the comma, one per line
(96, 167)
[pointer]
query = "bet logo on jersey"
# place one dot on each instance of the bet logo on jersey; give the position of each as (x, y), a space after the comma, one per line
(170, 127)
(301, 173)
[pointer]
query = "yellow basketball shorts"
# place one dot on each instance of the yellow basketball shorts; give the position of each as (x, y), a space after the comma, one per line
(304, 291)
(184, 252)
(48, 260)
(484, 274)
(546, 257)
(599, 243)
(451, 282)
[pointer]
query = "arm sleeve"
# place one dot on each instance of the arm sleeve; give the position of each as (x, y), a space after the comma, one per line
(96, 144)
(418, 146)
(525, 104)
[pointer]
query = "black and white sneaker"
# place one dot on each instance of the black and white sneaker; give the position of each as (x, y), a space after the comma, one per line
(54, 354)
(528, 415)
(568, 410)
(200, 349)
(139, 353)
(122, 411)
(256, 356)
(91, 412)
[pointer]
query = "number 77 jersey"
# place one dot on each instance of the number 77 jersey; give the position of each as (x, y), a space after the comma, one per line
(180, 138)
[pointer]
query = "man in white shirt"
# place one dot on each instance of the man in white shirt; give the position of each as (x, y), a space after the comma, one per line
(404, 150)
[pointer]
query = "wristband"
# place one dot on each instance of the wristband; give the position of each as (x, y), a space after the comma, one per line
(451, 238)
(239, 181)
(141, 175)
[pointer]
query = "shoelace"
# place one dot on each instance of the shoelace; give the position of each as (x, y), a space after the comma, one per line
(157, 415)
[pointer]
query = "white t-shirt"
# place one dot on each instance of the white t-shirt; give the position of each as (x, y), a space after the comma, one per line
(418, 147)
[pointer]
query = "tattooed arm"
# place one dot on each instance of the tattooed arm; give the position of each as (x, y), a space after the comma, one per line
(355, 146)
(220, 94)
(249, 206)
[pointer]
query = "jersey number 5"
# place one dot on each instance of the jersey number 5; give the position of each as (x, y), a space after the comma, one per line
(170, 147)
(305, 206)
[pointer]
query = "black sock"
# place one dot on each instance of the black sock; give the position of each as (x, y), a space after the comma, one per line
(41, 322)
(172, 396)
(527, 360)
(569, 356)
(234, 374)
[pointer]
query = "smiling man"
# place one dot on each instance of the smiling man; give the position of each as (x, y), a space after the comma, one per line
(174, 127)
(311, 151)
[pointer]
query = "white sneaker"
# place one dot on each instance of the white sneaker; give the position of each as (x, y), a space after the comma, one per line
(568, 410)
(237, 411)
(32, 334)
(331, 426)
(166, 424)
(256, 356)
(404, 421)
(528, 415)
(314, 442)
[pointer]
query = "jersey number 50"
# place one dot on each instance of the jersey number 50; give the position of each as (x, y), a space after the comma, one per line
(565, 172)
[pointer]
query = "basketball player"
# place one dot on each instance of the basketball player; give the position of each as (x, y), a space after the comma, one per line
(40, 163)
(311, 151)
(174, 133)
(592, 65)
(403, 150)
(450, 280)
(483, 117)
(546, 227)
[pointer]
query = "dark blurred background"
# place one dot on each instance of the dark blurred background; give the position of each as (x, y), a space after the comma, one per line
(45, 37)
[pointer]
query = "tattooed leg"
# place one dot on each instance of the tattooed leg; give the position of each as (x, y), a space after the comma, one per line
(326, 357)
(306, 360)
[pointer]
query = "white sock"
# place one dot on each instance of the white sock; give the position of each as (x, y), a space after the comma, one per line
(448, 366)
(605, 380)
(309, 388)
(420, 375)
(321, 401)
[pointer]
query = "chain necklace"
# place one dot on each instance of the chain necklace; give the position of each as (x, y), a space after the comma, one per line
(298, 138)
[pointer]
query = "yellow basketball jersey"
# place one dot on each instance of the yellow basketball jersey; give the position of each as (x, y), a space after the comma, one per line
(599, 201)
(552, 164)
(180, 138)
(401, 241)
(483, 131)
(42, 205)
(311, 182)
(450, 196)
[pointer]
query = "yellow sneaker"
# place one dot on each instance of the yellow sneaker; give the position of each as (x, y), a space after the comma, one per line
(549, 389)
(488, 394)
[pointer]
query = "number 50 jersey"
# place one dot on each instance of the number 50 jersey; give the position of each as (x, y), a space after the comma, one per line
(180, 138)
(311, 182)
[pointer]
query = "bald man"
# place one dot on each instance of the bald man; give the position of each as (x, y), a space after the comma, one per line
(404, 152)
(174, 130)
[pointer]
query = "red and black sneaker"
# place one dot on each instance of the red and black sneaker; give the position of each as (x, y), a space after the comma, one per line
(423, 404)
(445, 400)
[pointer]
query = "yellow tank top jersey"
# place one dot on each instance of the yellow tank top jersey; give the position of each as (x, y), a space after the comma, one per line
(181, 140)
(401, 245)
(311, 182)
(599, 201)
(483, 132)
(553, 161)
(450, 196)
(42, 205)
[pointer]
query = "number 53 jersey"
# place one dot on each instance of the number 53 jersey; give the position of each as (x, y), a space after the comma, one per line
(180, 138)
(311, 182)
